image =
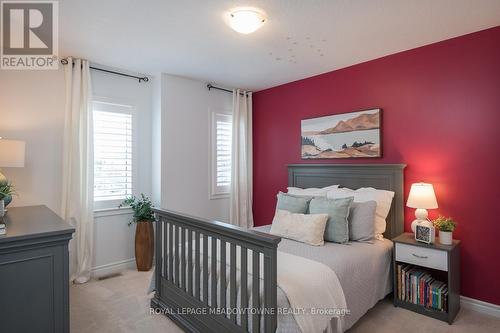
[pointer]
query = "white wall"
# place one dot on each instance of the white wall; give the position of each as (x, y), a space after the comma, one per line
(32, 109)
(185, 145)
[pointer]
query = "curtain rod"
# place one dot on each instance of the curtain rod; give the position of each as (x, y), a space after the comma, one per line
(143, 78)
(210, 86)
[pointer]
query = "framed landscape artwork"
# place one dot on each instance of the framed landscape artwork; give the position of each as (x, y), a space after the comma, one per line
(346, 135)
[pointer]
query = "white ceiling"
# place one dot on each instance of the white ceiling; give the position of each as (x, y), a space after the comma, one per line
(301, 38)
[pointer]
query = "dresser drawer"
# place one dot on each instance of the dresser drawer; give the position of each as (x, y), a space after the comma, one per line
(421, 256)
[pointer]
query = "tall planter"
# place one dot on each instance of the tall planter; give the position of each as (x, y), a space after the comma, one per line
(144, 245)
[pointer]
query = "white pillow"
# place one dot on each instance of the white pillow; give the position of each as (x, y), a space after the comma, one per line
(382, 197)
(305, 228)
(311, 192)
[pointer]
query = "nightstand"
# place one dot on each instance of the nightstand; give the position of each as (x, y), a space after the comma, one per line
(441, 262)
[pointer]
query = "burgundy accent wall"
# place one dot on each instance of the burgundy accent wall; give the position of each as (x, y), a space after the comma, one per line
(441, 116)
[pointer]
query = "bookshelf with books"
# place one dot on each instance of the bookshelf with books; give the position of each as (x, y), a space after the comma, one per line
(418, 286)
(427, 277)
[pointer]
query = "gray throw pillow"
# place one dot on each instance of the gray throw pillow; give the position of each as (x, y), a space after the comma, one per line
(362, 221)
(337, 227)
(293, 203)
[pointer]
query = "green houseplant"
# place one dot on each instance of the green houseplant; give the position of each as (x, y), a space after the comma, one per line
(142, 208)
(446, 226)
(142, 217)
(7, 190)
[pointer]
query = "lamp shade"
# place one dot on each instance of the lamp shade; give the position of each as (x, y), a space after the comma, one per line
(422, 196)
(12, 153)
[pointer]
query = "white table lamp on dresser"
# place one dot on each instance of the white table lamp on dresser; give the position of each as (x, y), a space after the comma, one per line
(422, 197)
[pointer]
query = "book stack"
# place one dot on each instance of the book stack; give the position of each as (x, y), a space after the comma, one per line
(416, 285)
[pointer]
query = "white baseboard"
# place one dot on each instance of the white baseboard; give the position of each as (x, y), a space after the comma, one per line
(113, 267)
(480, 306)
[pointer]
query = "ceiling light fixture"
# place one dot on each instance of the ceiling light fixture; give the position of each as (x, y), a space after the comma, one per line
(246, 21)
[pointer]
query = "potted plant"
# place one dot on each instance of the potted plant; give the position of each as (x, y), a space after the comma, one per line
(445, 225)
(7, 190)
(143, 217)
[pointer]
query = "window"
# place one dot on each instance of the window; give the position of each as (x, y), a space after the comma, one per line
(113, 153)
(221, 154)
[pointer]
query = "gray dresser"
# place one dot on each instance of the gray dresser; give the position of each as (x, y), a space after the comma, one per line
(34, 269)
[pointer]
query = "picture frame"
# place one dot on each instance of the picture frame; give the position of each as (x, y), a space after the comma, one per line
(348, 135)
(424, 234)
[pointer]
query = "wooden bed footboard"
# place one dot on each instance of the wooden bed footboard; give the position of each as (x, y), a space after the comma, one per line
(195, 259)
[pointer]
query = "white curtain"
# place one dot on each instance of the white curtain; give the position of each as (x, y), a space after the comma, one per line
(77, 177)
(241, 161)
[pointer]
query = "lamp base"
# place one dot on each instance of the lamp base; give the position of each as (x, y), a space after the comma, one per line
(421, 214)
(420, 217)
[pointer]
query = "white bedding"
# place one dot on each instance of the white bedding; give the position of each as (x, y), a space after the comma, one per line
(306, 291)
(364, 272)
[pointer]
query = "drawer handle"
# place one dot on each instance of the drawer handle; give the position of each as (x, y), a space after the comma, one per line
(419, 257)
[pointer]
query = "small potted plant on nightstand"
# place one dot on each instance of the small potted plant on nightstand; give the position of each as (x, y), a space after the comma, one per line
(143, 217)
(445, 225)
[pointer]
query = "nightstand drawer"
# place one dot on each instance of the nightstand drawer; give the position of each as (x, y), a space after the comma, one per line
(422, 256)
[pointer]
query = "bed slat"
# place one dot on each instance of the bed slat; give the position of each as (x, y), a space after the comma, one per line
(244, 288)
(232, 282)
(270, 297)
(255, 291)
(213, 273)
(170, 253)
(183, 258)
(223, 264)
(205, 269)
(197, 266)
(176, 257)
(190, 263)
(162, 232)
(160, 268)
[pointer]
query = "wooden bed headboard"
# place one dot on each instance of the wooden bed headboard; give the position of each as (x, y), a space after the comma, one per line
(380, 176)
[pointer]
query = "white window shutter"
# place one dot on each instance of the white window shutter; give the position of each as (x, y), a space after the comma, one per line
(113, 150)
(221, 166)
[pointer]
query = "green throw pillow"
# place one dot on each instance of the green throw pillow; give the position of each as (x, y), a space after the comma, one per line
(337, 227)
(293, 203)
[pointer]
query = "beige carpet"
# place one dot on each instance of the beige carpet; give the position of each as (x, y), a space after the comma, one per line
(119, 304)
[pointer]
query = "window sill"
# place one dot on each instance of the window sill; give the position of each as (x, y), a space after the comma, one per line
(219, 196)
(112, 211)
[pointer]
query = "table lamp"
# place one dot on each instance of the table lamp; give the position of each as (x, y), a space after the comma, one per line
(422, 197)
(11, 156)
